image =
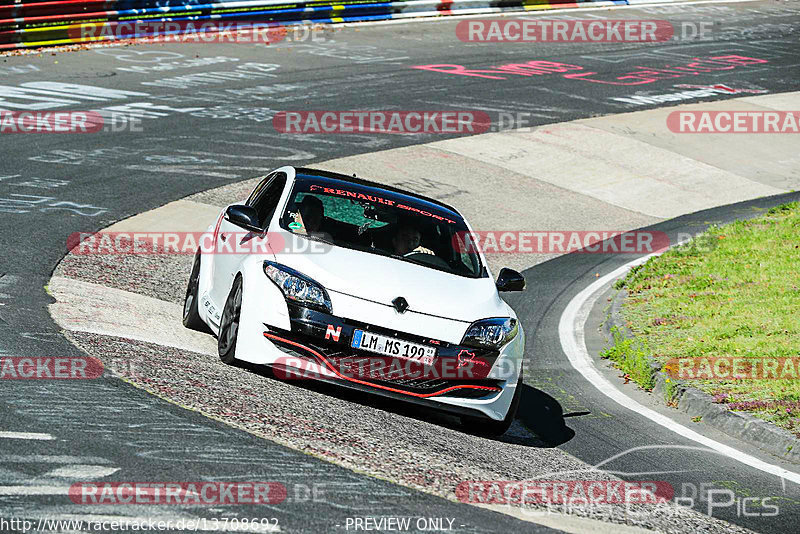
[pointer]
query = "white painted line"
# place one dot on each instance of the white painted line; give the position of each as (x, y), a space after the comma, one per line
(82, 472)
(25, 435)
(571, 333)
(34, 490)
(49, 459)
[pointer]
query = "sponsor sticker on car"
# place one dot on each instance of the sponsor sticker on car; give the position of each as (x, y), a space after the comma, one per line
(393, 347)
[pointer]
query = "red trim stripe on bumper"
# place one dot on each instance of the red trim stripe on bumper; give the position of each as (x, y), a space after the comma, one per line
(328, 364)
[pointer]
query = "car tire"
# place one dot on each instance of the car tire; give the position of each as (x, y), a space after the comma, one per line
(191, 316)
(484, 426)
(229, 324)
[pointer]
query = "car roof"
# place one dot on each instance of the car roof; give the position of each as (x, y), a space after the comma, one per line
(360, 181)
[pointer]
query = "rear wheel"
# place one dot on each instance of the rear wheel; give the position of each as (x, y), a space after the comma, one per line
(229, 323)
(485, 426)
(191, 317)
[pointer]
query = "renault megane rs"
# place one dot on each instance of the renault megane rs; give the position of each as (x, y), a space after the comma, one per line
(334, 278)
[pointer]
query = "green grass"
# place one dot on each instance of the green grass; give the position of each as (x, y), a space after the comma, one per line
(733, 292)
(632, 357)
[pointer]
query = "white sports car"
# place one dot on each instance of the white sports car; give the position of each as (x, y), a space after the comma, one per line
(324, 276)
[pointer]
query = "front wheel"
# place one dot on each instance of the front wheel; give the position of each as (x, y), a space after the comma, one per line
(229, 323)
(484, 426)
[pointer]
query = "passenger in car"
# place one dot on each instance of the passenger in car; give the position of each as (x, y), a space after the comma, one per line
(312, 212)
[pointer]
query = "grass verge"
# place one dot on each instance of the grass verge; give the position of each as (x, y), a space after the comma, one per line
(632, 358)
(734, 293)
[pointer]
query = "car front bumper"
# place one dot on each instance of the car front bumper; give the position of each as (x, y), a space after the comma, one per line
(461, 380)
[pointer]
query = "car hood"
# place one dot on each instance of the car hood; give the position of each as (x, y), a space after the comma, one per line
(382, 279)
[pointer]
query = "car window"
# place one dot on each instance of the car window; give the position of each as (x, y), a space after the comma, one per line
(346, 212)
(260, 187)
(381, 222)
(265, 198)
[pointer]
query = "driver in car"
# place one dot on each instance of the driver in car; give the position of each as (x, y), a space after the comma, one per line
(407, 240)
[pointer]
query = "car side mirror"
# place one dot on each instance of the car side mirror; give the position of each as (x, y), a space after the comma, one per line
(510, 280)
(243, 216)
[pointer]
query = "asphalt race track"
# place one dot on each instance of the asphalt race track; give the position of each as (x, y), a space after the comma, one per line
(202, 132)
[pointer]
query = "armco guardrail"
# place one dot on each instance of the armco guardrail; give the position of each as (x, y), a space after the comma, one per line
(33, 23)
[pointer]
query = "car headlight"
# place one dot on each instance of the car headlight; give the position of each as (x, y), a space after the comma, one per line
(491, 333)
(297, 287)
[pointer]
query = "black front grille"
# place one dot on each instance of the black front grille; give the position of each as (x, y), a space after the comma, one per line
(407, 376)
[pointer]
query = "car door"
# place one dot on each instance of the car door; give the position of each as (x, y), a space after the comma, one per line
(232, 238)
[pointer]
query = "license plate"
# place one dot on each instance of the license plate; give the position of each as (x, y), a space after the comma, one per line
(389, 346)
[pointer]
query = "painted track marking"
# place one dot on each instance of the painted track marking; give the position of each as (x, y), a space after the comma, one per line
(25, 435)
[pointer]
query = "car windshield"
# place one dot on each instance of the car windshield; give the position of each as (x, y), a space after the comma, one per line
(380, 222)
